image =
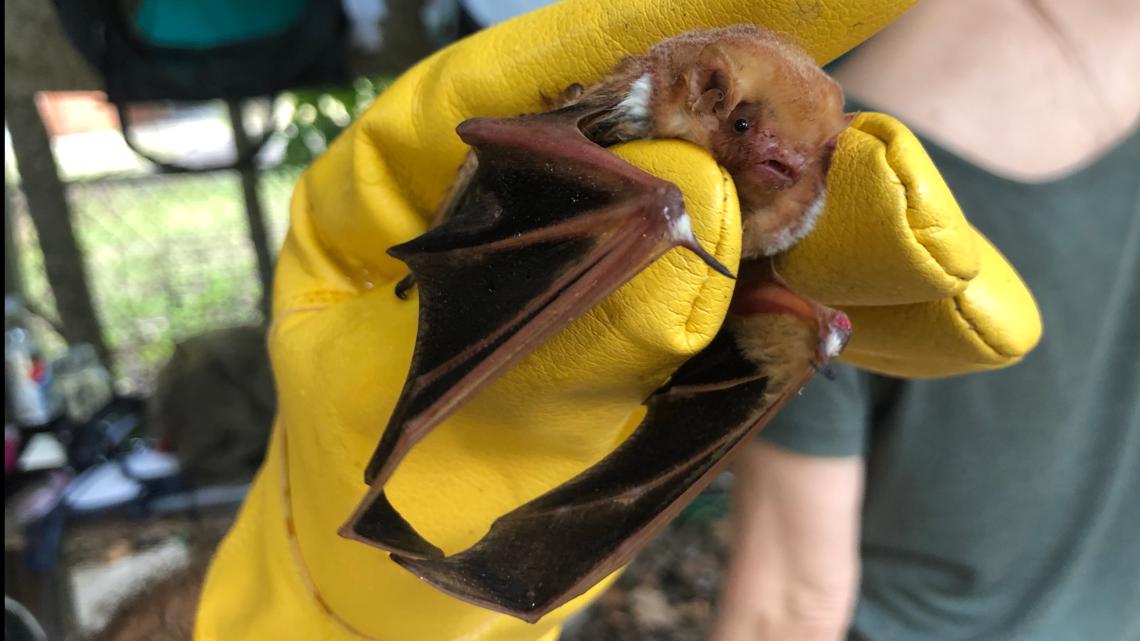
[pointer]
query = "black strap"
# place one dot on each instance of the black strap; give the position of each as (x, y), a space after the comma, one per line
(312, 52)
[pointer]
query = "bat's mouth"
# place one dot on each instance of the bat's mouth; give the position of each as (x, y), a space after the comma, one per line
(776, 174)
(780, 170)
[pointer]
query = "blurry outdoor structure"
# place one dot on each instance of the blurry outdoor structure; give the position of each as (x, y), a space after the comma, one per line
(161, 255)
(167, 256)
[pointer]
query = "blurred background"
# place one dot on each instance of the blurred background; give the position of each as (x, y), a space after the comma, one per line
(150, 151)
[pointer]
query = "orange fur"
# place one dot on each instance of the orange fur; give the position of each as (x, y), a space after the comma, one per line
(702, 83)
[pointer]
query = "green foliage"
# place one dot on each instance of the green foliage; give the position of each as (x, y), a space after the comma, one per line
(319, 115)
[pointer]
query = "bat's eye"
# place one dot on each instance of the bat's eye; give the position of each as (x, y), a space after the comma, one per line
(741, 125)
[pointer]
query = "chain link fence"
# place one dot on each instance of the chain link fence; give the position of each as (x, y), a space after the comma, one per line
(168, 256)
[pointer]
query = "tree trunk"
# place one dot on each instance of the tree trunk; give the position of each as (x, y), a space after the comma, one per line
(51, 215)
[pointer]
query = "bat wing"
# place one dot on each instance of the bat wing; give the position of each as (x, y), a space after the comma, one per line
(548, 225)
(556, 547)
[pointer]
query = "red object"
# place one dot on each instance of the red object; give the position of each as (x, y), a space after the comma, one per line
(72, 112)
(39, 369)
(11, 449)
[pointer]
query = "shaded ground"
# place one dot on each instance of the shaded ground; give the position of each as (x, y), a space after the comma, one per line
(669, 592)
(113, 560)
(108, 540)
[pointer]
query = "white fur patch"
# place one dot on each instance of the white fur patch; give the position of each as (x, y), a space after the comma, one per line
(812, 213)
(795, 233)
(833, 344)
(681, 228)
(635, 105)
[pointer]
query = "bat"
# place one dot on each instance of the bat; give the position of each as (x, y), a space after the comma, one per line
(753, 98)
(542, 223)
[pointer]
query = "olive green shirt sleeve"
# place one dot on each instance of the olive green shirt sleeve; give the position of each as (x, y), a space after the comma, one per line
(830, 417)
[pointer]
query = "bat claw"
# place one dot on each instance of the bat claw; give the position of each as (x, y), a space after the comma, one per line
(404, 287)
(694, 246)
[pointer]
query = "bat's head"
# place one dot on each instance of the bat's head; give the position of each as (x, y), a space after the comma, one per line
(772, 117)
(779, 133)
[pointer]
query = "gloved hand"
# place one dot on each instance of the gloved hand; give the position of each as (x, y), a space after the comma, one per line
(927, 294)
(341, 341)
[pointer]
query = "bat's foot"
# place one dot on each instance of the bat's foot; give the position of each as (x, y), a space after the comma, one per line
(404, 287)
(568, 96)
(824, 369)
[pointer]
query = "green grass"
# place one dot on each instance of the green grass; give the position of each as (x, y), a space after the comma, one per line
(167, 257)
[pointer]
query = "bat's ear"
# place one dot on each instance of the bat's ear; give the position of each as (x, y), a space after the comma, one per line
(831, 143)
(713, 93)
(844, 122)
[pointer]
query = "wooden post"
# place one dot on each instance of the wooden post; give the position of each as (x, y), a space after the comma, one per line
(51, 215)
(247, 170)
(13, 281)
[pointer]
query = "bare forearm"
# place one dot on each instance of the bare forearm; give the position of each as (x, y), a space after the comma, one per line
(794, 569)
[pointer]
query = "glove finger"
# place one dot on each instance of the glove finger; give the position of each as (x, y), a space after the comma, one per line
(891, 232)
(503, 70)
(993, 323)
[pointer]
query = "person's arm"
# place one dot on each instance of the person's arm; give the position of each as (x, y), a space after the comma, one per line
(793, 573)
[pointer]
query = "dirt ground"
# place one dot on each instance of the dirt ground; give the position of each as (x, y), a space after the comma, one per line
(111, 561)
(668, 593)
(107, 540)
(670, 590)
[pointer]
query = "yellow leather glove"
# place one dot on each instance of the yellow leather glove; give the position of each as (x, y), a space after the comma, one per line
(341, 341)
(927, 295)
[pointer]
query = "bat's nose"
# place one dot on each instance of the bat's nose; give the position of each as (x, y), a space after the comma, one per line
(782, 164)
